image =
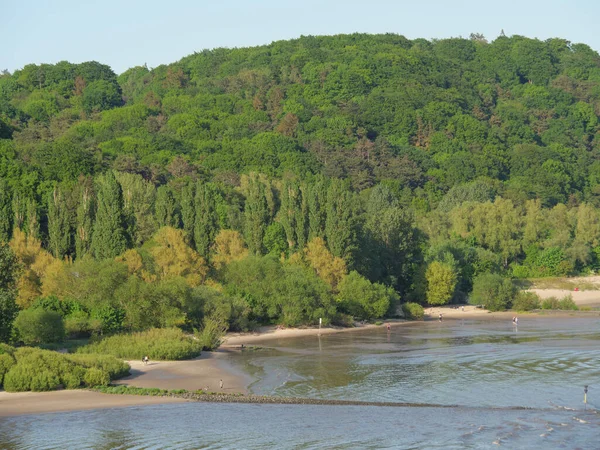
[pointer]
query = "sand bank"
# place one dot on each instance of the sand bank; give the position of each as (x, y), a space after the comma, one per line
(581, 298)
(200, 373)
(15, 404)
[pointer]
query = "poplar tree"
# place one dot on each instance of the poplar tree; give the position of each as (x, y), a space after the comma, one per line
(256, 215)
(59, 226)
(33, 220)
(165, 208)
(316, 202)
(206, 224)
(5, 212)
(188, 212)
(85, 220)
(109, 239)
(341, 223)
(291, 214)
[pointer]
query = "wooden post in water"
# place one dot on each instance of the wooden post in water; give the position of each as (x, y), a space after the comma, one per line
(320, 320)
(585, 391)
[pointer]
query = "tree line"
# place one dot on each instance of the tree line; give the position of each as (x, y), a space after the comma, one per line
(335, 174)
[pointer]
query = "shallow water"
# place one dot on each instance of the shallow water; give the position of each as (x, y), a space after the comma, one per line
(486, 369)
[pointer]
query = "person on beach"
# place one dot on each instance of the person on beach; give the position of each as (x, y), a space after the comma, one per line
(221, 384)
(145, 360)
(463, 308)
(389, 327)
(440, 318)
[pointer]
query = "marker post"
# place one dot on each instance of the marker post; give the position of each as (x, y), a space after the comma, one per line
(585, 391)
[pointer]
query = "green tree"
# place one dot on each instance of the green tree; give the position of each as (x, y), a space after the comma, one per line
(109, 238)
(59, 224)
(364, 300)
(206, 224)
(86, 211)
(493, 292)
(165, 208)
(341, 226)
(8, 306)
(256, 214)
(188, 211)
(5, 212)
(38, 326)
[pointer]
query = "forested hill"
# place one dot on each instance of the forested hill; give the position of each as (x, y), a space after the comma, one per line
(456, 155)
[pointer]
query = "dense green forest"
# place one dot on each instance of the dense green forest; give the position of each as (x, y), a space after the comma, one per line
(329, 177)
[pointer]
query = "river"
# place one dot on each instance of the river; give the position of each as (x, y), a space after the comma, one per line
(488, 382)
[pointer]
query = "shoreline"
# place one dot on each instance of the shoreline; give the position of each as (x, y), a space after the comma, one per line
(206, 371)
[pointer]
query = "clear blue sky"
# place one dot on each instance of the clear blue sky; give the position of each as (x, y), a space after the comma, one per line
(126, 33)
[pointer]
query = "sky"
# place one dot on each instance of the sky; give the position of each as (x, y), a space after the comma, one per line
(128, 33)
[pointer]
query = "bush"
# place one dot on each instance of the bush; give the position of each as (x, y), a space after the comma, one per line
(526, 301)
(211, 334)
(116, 368)
(159, 344)
(6, 362)
(37, 326)
(44, 370)
(77, 324)
(96, 377)
(550, 303)
(566, 303)
(413, 311)
(492, 291)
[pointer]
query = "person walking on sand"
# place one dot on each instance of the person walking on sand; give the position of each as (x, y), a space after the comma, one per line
(440, 318)
(145, 360)
(389, 327)
(221, 384)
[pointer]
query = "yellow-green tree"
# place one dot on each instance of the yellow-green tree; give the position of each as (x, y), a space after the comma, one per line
(329, 268)
(441, 281)
(174, 258)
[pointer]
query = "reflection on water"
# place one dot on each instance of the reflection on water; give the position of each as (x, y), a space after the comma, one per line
(476, 366)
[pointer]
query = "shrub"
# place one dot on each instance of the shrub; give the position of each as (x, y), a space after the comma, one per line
(413, 311)
(526, 301)
(550, 303)
(96, 377)
(44, 381)
(567, 303)
(115, 367)
(493, 291)
(43, 370)
(37, 326)
(159, 344)
(6, 362)
(211, 334)
(77, 324)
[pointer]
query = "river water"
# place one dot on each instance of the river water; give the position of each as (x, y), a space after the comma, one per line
(487, 384)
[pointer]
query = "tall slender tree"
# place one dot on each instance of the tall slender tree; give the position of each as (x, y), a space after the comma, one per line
(206, 225)
(86, 211)
(256, 214)
(188, 212)
(59, 224)
(165, 208)
(5, 212)
(109, 239)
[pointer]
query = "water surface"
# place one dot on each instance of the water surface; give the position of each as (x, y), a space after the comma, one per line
(485, 371)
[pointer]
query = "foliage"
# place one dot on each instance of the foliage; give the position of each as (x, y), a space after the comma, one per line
(38, 326)
(441, 282)
(493, 292)
(413, 311)
(565, 303)
(158, 344)
(364, 300)
(526, 301)
(44, 370)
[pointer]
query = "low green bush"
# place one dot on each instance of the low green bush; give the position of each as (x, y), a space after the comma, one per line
(566, 303)
(116, 368)
(159, 344)
(34, 369)
(96, 377)
(6, 362)
(550, 303)
(413, 311)
(526, 301)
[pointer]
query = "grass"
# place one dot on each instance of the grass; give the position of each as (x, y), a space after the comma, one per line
(568, 284)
